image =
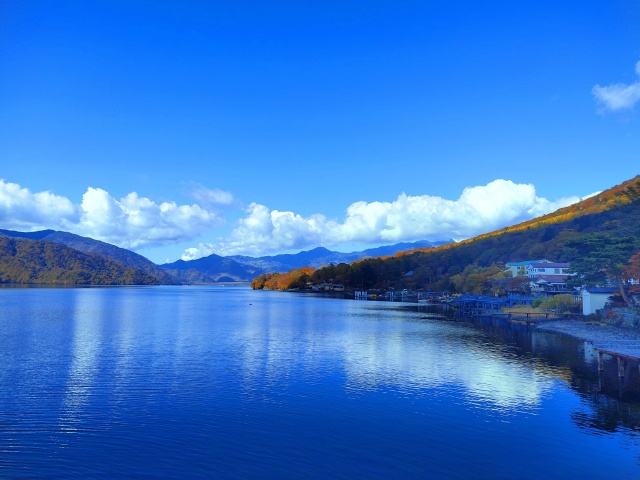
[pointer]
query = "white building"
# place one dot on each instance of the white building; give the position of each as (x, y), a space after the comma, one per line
(595, 298)
(544, 269)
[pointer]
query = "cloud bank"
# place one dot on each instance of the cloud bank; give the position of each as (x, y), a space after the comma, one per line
(131, 222)
(136, 222)
(618, 96)
(478, 209)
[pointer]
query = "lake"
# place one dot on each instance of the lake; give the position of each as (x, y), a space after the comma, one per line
(213, 382)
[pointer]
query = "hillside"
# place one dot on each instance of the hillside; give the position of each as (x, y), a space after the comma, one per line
(627, 193)
(27, 261)
(614, 213)
(90, 246)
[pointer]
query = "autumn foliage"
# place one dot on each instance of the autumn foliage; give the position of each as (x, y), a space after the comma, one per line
(632, 270)
(283, 281)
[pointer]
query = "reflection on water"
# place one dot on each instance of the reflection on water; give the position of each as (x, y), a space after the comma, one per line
(202, 382)
(86, 320)
(438, 354)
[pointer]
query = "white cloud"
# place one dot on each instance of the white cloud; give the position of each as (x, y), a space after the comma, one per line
(130, 222)
(211, 197)
(478, 209)
(134, 221)
(20, 209)
(618, 96)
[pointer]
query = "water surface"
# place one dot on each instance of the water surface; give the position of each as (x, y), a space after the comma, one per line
(205, 382)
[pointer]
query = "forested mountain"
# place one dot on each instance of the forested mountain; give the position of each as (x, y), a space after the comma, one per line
(27, 261)
(89, 245)
(613, 214)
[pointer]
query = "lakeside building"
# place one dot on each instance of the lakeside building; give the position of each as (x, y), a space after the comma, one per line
(548, 277)
(545, 276)
(594, 299)
(546, 269)
(552, 284)
(326, 287)
(520, 268)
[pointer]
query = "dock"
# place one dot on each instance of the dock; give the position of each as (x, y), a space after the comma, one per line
(626, 353)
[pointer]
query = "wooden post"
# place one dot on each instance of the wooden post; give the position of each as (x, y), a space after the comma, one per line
(622, 364)
(600, 362)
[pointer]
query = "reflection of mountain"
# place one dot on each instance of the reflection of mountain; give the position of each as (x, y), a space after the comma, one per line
(609, 404)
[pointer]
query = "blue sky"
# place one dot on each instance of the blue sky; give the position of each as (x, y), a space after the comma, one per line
(267, 127)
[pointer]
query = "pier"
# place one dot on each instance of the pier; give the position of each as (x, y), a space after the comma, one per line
(626, 352)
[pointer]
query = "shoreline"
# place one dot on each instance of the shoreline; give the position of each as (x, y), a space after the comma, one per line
(620, 340)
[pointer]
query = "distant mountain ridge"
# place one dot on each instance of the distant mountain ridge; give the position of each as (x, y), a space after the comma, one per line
(320, 256)
(211, 269)
(215, 268)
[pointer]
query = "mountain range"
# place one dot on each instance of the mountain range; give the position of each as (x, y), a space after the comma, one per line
(56, 257)
(215, 268)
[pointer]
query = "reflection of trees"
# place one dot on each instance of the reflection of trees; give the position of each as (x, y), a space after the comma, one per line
(610, 404)
(607, 414)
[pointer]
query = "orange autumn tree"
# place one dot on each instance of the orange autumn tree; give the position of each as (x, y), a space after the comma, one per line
(297, 278)
(632, 271)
